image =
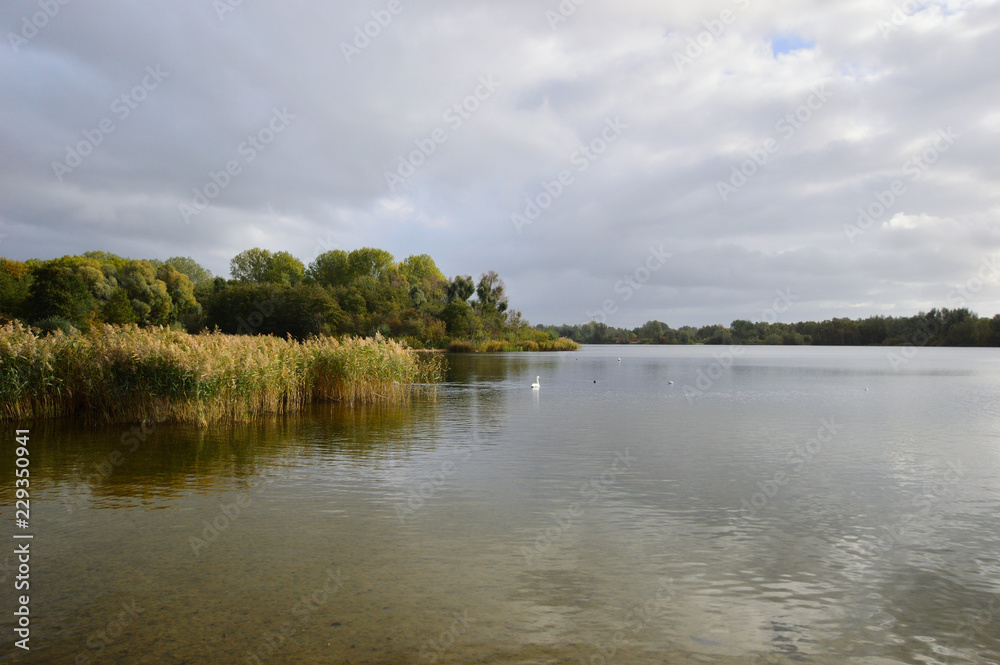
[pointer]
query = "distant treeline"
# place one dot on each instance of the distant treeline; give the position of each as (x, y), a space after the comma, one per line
(361, 292)
(938, 327)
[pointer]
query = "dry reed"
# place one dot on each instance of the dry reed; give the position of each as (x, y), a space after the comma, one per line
(505, 346)
(131, 374)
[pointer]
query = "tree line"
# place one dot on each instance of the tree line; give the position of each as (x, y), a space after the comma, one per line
(366, 291)
(360, 292)
(938, 327)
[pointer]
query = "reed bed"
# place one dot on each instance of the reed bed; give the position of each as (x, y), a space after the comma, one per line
(131, 374)
(505, 346)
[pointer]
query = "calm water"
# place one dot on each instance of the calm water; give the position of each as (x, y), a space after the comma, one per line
(786, 505)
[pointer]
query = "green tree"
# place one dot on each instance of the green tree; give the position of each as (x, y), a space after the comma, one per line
(490, 292)
(260, 266)
(101, 257)
(743, 331)
(461, 288)
(251, 265)
(417, 297)
(118, 310)
(148, 295)
(959, 327)
(15, 285)
(873, 330)
(370, 262)
(285, 269)
(651, 332)
(457, 317)
(330, 269)
(420, 268)
(56, 290)
(273, 309)
(990, 331)
(185, 306)
(185, 265)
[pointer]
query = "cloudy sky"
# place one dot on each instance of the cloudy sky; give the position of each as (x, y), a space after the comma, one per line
(629, 160)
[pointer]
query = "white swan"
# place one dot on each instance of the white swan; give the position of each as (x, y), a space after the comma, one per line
(536, 384)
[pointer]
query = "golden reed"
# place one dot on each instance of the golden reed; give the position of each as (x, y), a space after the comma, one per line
(132, 374)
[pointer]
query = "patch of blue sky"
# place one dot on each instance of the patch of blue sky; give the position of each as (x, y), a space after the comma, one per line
(788, 43)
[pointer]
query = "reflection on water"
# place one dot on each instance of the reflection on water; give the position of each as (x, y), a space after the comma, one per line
(764, 510)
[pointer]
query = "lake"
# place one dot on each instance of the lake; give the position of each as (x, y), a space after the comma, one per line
(770, 505)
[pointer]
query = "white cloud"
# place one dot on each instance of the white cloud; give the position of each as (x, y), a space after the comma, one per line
(903, 221)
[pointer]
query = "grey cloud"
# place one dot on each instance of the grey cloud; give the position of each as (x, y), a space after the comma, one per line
(321, 183)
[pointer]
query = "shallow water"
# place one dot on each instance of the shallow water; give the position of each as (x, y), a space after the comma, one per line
(763, 508)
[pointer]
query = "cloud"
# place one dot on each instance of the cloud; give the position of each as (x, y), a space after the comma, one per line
(701, 88)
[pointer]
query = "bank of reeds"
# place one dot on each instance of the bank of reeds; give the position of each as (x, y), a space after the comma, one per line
(131, 374)
(506, 346)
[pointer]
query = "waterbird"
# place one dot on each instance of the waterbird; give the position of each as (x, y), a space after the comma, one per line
(536, 384)
(670, 383)
(619, 360)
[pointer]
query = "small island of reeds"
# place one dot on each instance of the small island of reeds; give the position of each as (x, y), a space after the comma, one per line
(131, 374)
(522, 342)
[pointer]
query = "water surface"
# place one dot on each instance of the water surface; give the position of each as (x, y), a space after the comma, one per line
(770, 505)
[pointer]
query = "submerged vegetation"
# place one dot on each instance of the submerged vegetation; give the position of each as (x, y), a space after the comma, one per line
(132, 374)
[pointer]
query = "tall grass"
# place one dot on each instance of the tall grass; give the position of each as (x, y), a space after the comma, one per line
(508, 345)
(131, 374)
